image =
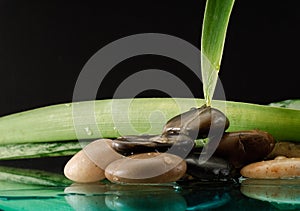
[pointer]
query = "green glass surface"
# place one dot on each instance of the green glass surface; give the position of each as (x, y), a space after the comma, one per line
(246, 194)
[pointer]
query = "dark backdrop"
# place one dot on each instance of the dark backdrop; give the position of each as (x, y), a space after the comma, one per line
(45, 44)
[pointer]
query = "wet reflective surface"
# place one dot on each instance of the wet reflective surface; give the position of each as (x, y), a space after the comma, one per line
(247, 194)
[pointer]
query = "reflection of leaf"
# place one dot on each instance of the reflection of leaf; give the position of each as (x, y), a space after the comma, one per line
(32, 198)
(25, 189)
(294, 104)
(216, 18)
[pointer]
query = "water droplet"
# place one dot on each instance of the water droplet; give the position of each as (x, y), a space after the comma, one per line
(68, 104)
(88, 131)
(167, 160)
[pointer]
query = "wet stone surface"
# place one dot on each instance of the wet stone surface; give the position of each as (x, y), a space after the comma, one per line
(146, 168)
(197, 122)
(129, 145)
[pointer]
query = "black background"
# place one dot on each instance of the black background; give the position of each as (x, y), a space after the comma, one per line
(45, 44)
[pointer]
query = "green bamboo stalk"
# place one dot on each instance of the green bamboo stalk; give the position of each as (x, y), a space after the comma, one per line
(55, 123)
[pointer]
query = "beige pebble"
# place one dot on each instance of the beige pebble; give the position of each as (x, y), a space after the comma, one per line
(81, 169)
(88, 164)
(146, 168)
(280, 167)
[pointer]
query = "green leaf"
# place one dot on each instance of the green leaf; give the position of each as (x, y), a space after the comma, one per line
(216, 18)
(113, 118)
(37, 150)
(293, 104)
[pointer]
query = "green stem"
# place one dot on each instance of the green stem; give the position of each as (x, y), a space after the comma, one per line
(216, 18)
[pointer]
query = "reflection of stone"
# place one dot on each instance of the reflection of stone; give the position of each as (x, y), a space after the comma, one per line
(82, 202)
(101, 196)
(146, 200)
(86, 196)
(86, 188)
(281, 193)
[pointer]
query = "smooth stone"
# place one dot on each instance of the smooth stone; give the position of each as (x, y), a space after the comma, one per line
(88, 164)
(244, 147)
(179, 145)
(285, 148)
(281, 167)
(197, 122)
(81, 169)
(146, 168)
(214, 168)
(129, 145)
(102, 153)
